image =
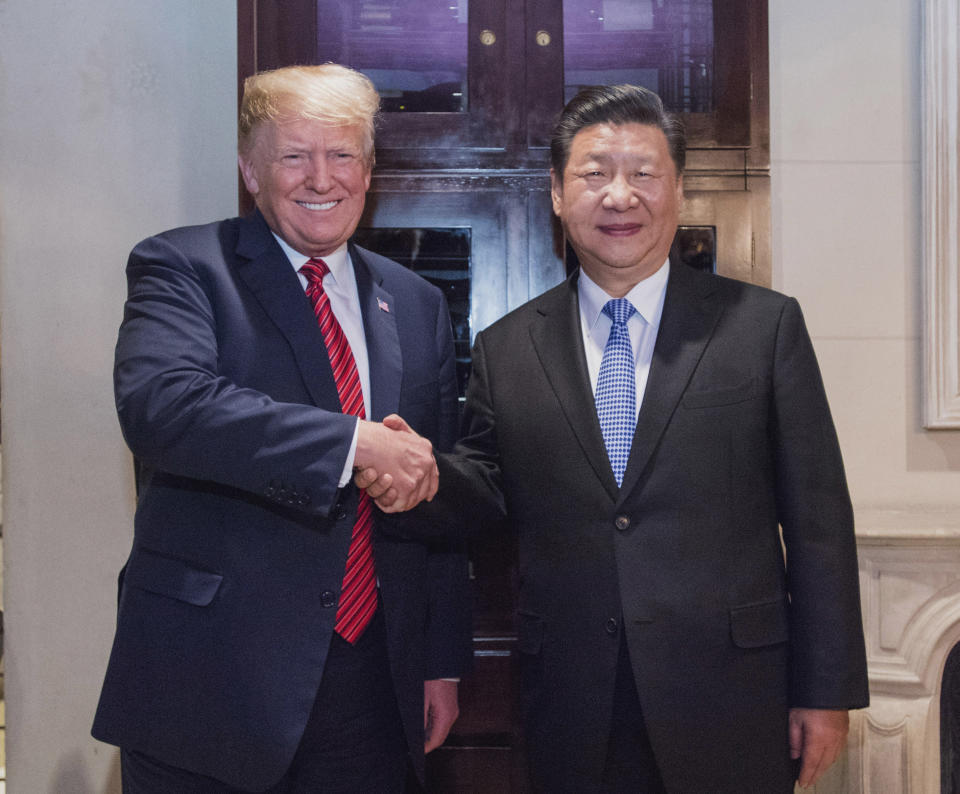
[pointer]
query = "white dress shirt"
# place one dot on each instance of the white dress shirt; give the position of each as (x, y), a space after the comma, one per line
(647, 298)
(340, 284)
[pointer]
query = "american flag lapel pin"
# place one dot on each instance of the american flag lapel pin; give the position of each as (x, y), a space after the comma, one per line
(383, 305)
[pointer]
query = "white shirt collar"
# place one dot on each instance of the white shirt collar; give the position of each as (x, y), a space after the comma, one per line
(646, 296)
(338, 261)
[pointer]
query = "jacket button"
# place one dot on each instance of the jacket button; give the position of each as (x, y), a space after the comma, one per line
(328, 598)
(622, 522)
(611, 626)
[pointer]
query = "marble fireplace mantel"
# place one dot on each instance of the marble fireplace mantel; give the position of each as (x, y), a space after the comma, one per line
(910, 586)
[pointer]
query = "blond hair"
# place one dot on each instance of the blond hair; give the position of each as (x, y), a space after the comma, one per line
(329, 93)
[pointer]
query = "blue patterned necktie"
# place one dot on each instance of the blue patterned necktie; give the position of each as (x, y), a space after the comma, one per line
(617, 388)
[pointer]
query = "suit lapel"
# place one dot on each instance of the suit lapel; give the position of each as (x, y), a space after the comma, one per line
(558, 341)
(267, 272)
(383, 340)
(690, 313)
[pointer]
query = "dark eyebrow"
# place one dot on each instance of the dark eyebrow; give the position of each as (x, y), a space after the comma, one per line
(605, 156)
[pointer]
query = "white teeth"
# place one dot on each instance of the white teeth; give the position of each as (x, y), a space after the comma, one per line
(325, 206)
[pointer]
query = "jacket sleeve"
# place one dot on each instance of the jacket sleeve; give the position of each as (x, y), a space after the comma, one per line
(449, 648)
(827, 647)
(181, 415)
(470, 498)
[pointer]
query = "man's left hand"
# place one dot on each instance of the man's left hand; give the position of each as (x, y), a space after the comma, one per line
(817, 736)
(440, 711)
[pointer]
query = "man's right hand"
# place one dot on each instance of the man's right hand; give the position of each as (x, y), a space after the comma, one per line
(395, 465)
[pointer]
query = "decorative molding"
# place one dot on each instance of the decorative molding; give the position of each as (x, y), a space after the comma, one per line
(910, 586)
(941, 215)
(886, 749)
(909, 561)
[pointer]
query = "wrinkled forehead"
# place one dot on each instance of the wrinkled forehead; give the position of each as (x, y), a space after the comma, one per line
(307, 133)
(632, 141)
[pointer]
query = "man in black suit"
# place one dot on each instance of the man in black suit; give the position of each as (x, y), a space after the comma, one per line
(272, 635)
(647, 430)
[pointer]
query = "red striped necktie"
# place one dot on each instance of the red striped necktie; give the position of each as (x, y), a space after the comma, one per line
(358, 596)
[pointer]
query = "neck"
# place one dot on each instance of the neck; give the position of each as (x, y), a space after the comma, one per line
(617, 282)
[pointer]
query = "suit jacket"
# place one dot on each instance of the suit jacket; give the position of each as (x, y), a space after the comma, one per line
(734, 439)
(227, 602)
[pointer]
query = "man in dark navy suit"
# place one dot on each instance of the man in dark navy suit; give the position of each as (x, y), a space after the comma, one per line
(273, 634)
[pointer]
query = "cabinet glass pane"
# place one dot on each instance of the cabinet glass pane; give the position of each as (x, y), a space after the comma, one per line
(664, 45)
(696, 246)
(415, 51)
(442, 257)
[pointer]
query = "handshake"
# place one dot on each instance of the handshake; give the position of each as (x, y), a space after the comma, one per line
(394, 465)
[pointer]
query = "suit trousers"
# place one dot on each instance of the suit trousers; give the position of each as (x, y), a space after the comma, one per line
(353, 740)
(631, 767)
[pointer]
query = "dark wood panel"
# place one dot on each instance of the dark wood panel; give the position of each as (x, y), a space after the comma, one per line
(515, 84)
(733, 78)
(286, 33)
(475, 771)
(544, 70)
(487, 169)
(484, 752)
(488, 695)
(758, 155)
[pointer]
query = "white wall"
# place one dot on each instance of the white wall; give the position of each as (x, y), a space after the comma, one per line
(117, 120)
(845, 119)
(846, 178)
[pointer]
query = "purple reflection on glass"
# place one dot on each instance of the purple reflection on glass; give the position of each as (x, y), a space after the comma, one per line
(664, 45)
(415, 51)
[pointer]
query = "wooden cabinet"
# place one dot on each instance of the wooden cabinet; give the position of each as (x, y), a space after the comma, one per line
(504, 68)
(471, 90)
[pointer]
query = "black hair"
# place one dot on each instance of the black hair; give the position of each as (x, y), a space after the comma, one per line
(615, 104)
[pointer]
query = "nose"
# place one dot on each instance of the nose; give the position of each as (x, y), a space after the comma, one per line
(318, 175)
(619, 195)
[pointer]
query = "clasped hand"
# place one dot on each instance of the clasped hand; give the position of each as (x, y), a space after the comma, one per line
(395, 465)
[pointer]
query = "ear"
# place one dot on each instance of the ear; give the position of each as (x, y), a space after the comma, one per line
(249, 174)
(556, 192)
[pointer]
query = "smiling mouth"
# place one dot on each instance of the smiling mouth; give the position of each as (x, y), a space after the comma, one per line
(327, 205)
(621, 228)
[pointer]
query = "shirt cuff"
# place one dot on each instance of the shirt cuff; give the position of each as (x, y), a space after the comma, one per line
(347, 474)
